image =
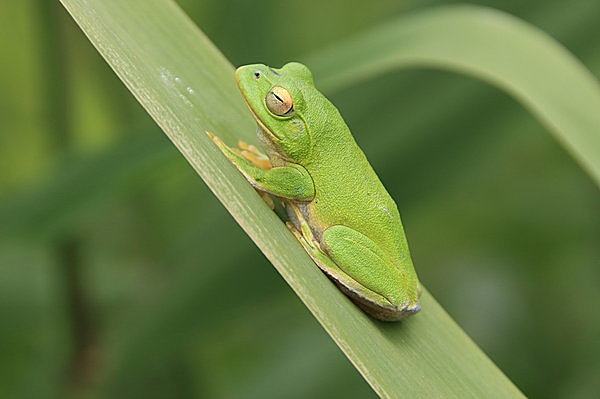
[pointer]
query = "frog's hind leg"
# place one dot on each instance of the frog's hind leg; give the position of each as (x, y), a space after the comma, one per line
(291, 181)
(384, 290)
(347, 284)
(302, 232)
(324, 262)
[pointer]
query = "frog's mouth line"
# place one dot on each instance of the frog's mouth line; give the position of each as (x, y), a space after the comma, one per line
(259, 122)
(263, 127)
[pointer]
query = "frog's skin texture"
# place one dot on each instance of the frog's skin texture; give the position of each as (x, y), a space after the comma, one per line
(338, 207)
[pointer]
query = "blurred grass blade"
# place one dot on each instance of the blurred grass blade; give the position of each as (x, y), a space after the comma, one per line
(49, 209)
(487, 44)
(187, 86)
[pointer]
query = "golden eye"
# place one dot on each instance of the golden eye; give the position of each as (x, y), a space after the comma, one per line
(279, 101)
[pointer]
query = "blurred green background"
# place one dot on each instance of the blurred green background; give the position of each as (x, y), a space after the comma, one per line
(114, 255)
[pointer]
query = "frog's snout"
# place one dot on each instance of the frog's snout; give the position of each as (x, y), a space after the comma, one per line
(254, 72)
(246, 74)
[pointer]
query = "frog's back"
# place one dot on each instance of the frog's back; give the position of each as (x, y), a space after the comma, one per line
(348, 191)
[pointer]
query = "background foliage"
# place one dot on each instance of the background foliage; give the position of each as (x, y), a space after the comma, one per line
(105, 282)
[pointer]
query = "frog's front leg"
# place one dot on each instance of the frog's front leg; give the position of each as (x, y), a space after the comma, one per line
(290, 182)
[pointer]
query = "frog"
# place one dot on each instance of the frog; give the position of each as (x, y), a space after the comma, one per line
(337, 207)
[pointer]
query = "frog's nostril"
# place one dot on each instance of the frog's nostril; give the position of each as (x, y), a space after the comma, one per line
(257, 74)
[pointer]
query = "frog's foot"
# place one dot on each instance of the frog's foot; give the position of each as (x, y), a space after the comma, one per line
(222, 146)
(267, 198)
(307, 241)
(258, 159)
(248, 151)
(251, 154)
(295, 232)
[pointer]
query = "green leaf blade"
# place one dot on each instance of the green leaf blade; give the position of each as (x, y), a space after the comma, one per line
(187, 86)
(489, 45)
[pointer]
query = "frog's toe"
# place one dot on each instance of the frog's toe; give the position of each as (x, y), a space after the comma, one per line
(216, 139)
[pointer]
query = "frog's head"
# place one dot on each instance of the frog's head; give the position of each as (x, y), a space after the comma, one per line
(278, 100)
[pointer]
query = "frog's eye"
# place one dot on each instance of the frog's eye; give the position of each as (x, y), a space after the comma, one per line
(279, 101)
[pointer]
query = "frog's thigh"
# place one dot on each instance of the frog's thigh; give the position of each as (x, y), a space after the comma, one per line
(363, 260)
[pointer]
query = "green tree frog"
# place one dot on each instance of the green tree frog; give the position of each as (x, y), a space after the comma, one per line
(338, 208)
